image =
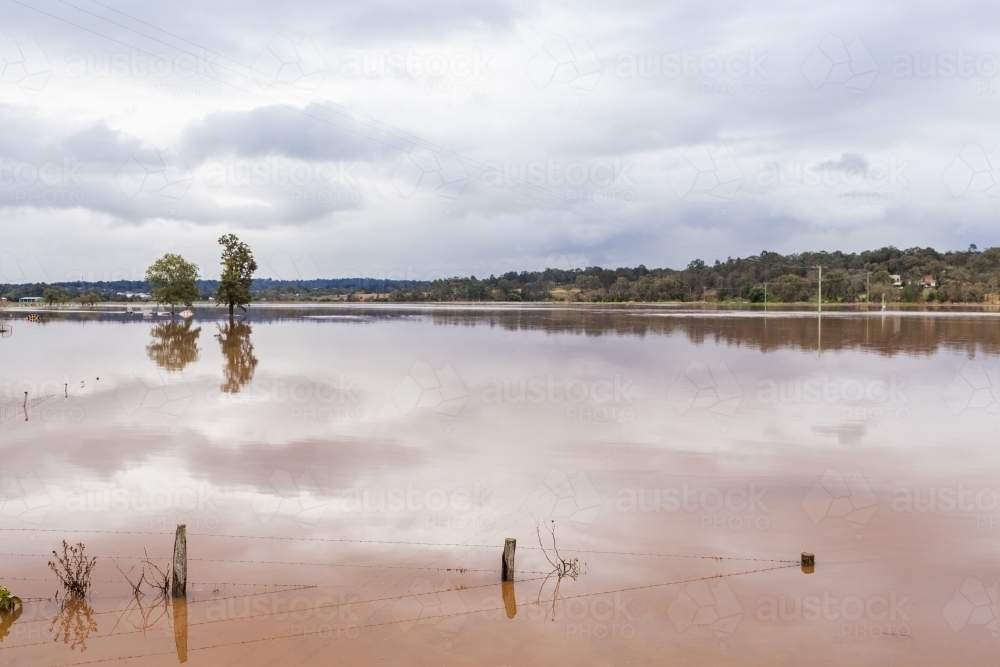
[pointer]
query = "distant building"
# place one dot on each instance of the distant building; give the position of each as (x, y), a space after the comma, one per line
(897, 281)
(30, 299)
(928, 281)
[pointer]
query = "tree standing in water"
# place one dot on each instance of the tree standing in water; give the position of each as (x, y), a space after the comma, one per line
(172, 279)
(238, 266)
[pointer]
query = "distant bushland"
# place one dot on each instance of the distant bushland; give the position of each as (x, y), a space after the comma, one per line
(914, 275)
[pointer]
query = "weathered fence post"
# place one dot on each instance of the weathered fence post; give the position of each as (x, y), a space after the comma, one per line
(178, 584)
(507, 564)
(808, 562)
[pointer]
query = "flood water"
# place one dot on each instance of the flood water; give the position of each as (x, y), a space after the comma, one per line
(348, 476)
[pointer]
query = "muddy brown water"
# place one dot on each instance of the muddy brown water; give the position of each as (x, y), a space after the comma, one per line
(348, 476)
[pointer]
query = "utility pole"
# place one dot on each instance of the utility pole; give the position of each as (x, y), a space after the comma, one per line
(765, 297)
(819, 295)
(868, 289)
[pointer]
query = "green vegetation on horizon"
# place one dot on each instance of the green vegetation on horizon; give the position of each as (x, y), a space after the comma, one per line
(969, 276)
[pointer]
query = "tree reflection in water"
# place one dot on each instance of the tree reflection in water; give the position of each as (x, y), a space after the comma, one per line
(7, 619)
(174, 344)
(237, 350)
(73, 623)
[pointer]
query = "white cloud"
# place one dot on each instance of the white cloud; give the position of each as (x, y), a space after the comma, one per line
(281, 98)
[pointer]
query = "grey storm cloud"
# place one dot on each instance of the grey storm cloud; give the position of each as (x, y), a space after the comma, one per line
(639, 133)
(317, 133)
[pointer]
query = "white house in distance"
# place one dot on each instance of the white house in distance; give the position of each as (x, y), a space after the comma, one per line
(30, 299)
(897, 281)
(928, 281)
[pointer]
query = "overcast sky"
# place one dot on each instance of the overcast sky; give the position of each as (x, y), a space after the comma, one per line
(437, 138)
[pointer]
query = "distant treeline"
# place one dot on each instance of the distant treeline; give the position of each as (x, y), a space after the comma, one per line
(263, 288)
(915, 275)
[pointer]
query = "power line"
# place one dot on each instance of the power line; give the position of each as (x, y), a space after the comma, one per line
(461, 613)
(398, 542)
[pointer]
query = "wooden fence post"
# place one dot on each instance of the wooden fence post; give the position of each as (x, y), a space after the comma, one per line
(178, 585)
(507, 564)
(808, 562)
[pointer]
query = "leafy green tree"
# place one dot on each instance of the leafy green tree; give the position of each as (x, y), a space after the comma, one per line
(53, 295)
(90, 298)
(238, 266)
(756, 294)
(912, 293)
(172, 281)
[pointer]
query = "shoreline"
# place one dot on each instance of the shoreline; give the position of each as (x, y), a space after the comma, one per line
(661, 308)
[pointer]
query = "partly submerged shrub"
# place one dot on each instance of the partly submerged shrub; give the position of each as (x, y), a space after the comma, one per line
(73, 570)
(8, 603)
